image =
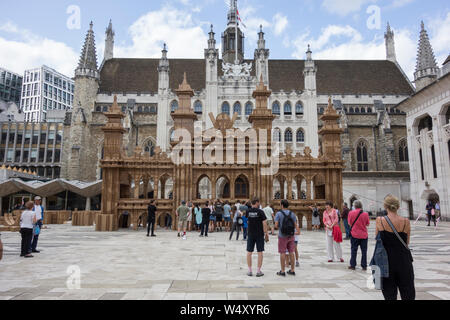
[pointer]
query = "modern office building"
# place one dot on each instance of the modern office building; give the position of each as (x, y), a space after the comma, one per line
(10, 86)
(45, 89)
(32, 146)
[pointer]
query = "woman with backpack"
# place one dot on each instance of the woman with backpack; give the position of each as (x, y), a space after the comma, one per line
(395, 232)
(331, 220)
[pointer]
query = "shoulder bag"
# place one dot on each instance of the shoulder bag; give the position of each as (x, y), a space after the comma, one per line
(399, 238)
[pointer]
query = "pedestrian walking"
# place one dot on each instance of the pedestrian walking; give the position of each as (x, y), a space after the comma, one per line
(431, 214)
(27, 223)
(182, 215)
(237, 222)
(151, 217)
(269, 215)
(257, 234)
(206, 213)
(286, 223)
(359, 222)
(39, 211)
(330, 220)
(395, 232)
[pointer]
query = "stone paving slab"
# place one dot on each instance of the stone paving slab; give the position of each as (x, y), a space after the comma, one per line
(129, 266)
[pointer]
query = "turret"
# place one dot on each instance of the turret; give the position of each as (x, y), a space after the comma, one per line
(262, 58)
(163, 70)
(229, 38)
(390, 44)
(109, 43)
(426, 67)
(310, 73)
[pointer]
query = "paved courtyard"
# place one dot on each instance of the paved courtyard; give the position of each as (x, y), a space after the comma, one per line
(128, 265)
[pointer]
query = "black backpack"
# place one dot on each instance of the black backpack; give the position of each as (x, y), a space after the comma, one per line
(288, 226)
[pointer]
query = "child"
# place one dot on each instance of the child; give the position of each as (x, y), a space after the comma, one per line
(245, 226)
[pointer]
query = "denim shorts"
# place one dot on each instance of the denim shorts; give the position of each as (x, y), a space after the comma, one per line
(227, 219)
(259, 242)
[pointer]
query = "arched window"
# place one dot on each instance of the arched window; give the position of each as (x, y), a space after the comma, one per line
(248, 108)
(356, 110)
(124, 109)
(287, 108)
(198, 108)
(321, 110)
(174, 106)
(362, 157)
(139, 109)
(237, 108)
(98, 109)
(403, 151)
(352, 110)
(363, 110)
(288, 135)
(146, 109)
(277, 135)
(226, 108)
(153, 110)
(299, 109)
(300, 136)
(447, 116)
(276, 108)
(105, 109)
(149, 148)
(369, 110)
(426, 123)
(172, 134)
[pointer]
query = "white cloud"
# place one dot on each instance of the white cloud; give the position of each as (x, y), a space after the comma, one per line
(346, 43)
(184, 38)
(439, 32)
(344, 7)
(400, 3)
(31, 51)
(280, 23)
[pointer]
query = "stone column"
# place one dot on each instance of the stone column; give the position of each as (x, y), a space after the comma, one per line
(44, 203)
(308, 188)
(289, 186)
(155, 188)
(88, 204)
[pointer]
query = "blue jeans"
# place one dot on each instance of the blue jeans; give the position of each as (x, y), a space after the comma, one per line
(347, 228)
(245, 232)
(355, 244)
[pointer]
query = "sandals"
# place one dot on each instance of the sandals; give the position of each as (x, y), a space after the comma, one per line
(291, 273)
(281, 274)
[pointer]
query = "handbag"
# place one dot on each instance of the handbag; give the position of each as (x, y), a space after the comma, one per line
(36, 230)
(399, 238)
(240, 221)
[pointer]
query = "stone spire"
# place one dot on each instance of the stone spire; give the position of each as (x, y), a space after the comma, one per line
(390, 44)
(261, 40)
(426, 67)
(211, 40)
(109, 42)
(309, 73)
(232, 19)
(164, 62)
(87, 65)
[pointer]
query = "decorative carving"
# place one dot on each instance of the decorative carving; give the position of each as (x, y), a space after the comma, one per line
(236, 70)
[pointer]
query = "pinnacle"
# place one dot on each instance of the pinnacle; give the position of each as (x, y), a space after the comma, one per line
(88, 58)
(425, 55)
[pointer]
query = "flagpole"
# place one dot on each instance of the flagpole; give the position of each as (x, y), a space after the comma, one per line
(236, 61)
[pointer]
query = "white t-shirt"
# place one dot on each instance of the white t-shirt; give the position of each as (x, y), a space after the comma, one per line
(269, 212)
(26, 219)
(38, 211)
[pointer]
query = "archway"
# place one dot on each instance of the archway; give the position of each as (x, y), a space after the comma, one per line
(319, 187)
(241, 188)
(223, 188)
(203, 188)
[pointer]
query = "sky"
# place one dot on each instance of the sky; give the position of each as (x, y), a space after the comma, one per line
(33, 33)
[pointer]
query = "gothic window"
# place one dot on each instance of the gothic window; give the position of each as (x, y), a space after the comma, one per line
(248, 108)
(287, 108)
(447, 116)
(276, 108)
(226, 108)
(369, 110)
(146, 109)
(139, 109)
(426, 123)
(321, 110)
(149, 148)
(174, 106)
(433, 158)
(403, 151)
(105, 109)
(288, 135)
(352, 110)
(300, 136)
(421, 164)
(198, 108)
(153, 109)
(363, 110)
(98, 108)
(299, 109)
(124, 109)
(172, 134)
(356, 110)
(237, 108)
(362, 157)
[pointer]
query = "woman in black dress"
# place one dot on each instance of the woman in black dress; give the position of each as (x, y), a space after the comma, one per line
(401, 271)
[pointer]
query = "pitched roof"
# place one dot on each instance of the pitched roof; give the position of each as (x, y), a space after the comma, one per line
(333, 76)
(447, 60)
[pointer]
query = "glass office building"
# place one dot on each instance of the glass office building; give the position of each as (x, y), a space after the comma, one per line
(10, 86)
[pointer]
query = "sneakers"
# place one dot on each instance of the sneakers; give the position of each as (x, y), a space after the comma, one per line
(352, 268)
(297, 264)
(250, 274)
(291, 273)
(178, 234)
(342, 260)
(330, 261)
(281, 274)
(184, 237)
(259, 274)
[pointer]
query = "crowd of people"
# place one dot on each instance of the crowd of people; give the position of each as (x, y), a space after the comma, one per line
(257, 223)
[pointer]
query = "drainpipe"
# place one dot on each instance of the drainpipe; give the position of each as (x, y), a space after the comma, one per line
(375, 145)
